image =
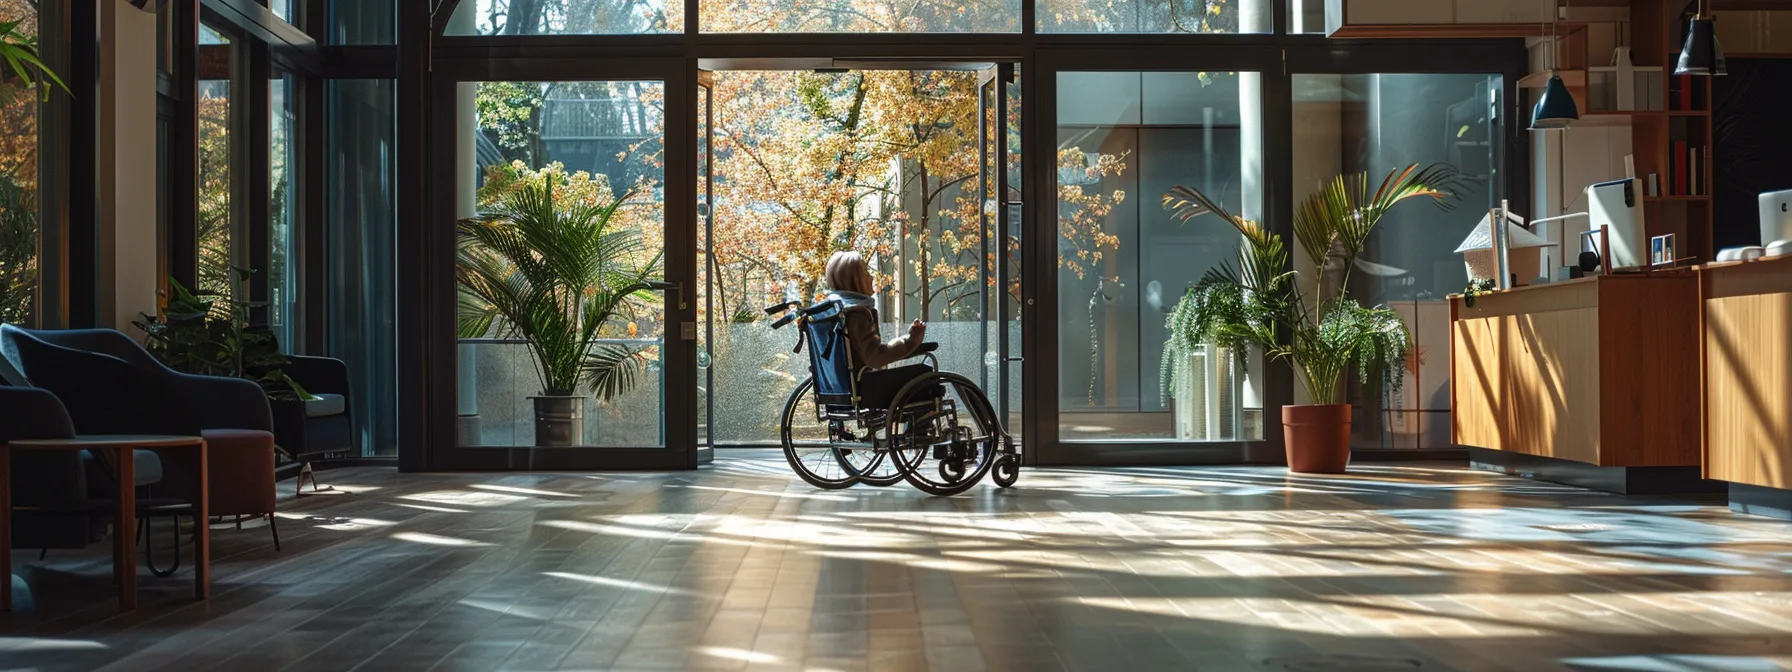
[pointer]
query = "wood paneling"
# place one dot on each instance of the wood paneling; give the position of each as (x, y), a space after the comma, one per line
(1748, 373)
(1649, 362)
(1582, 370)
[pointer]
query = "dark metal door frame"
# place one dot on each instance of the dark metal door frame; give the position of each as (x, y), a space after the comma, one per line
(437, 246)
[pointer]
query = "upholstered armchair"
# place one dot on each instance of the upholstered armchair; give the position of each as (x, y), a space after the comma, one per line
(319, 426)
(111, 385)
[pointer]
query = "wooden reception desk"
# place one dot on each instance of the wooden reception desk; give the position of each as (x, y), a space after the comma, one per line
(1589, 381)
(1748, 382)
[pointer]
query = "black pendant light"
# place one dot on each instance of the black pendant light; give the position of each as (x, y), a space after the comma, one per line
(1555, 109)
(1701, 55)
(149, 5)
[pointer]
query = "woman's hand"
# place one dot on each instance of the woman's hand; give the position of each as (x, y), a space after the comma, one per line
(917, 332)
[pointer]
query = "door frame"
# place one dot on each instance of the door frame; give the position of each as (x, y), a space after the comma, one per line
(439, 343)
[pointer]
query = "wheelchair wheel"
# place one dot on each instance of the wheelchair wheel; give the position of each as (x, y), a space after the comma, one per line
(813, 442)
(872, 467)
(1006, 471)
(943, 433)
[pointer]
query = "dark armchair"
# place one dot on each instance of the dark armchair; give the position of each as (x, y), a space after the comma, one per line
(111, 385)
(50, 491)
(319, 426)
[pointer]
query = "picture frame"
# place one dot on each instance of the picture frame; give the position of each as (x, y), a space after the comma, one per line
(1661, 250)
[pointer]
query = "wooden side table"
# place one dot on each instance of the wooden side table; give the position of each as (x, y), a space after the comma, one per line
(124, 521)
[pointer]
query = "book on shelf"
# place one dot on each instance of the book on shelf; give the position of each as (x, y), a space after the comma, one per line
(1630, 166)
(1678, 170)
(1692, 173)
(1654, 186)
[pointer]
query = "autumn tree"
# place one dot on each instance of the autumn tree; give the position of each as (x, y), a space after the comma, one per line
(18, 181)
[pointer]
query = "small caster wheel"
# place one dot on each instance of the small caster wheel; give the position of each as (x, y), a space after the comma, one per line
(1007, 470)
(951, 470)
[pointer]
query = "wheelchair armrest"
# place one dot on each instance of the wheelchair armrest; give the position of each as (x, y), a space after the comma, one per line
(925, 348)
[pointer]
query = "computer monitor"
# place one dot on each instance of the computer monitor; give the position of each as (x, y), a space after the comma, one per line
(1776, 216)
(1618, 205)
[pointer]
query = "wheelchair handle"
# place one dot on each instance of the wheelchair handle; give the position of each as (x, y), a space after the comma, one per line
(776, 308)
(786, 319)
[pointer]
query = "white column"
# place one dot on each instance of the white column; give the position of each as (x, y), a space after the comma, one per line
(126, 189)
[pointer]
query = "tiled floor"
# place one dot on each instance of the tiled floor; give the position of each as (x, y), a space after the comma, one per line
(742, 566)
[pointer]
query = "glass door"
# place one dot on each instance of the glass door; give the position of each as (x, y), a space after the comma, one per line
(1123, 132)
(574, 336)
(999, 274)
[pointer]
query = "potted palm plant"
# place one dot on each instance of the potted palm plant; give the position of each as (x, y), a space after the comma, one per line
(552, 267)
(1258, 304)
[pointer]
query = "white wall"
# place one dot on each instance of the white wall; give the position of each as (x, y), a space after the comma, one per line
(127, 245)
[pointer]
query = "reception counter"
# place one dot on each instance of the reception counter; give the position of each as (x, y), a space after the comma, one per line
(1748, 382)
(1591, 382)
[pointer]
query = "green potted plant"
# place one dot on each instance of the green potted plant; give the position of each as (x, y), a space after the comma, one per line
(552, 266)
(20, 53)
(1259, 305)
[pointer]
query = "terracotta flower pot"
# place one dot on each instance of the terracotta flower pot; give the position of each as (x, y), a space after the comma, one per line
(1317, 438)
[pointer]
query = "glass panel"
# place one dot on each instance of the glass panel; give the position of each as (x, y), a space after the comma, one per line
(18, 183)
(859, 16)
(283, 281)
(282, 9)
(214, 233)
(1373, 124)
(808, 164)
(364, 21)
(1306, 16)
(361, 231)
(566, 17)
(1124, 139)
(529, 374)
(705, 297)
(1155, 16)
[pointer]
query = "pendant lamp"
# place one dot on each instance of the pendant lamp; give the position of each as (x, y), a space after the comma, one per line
(1555, 109)
(1701, 55)
(149, 5)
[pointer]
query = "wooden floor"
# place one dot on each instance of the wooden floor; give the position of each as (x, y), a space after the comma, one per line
(741, 566)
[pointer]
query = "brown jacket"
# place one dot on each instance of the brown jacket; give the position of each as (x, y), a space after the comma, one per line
(868, 347)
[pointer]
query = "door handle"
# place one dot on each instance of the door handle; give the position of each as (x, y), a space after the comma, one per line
(666, 286)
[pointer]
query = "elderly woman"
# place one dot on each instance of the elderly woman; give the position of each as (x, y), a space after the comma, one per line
(850, 279)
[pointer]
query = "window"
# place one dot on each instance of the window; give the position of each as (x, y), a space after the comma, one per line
(1373, 124)
(566, 17)
(1124, 139)
(361, 230)
(596, 147)
(859, 16)
(366, 21)
(1155, 16)
(18, 183)
(214, 231)
(283, 262)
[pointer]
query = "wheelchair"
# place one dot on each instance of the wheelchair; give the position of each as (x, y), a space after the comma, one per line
(939, 432)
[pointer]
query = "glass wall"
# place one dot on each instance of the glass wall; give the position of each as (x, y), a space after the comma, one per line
(18, 181)
(566, 17)
(361, 233)
(363, 22)
(567, 180)
(1124, 139)
(1155, 16)
(283, 261)
(859, 16)
(1373, 124)
(215, 230)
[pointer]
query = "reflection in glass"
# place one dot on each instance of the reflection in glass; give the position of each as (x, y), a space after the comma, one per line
(18, 185)
(361, 234)
(1155, 16)
(363, 21)
(1125, 138)
(566, 17)
(859, 16)
(1375, 123)
(597, 143)
(214, 231)
(282, 212)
